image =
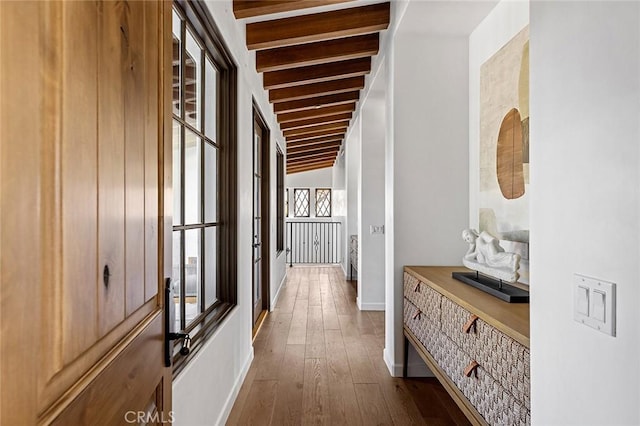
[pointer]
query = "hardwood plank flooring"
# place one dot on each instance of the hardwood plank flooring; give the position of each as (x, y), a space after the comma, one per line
(318, 361)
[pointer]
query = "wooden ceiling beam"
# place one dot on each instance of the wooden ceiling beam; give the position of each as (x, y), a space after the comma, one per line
(317, 128)
(310, 168)
(317, 53)
(316, 112)
(312, 157)
(303, 162)
(318, 26)
(316, 89)
(315, 147)
(309, 154)
(332, 132)
(250, 8)
(318, 102)
(313, 141)
(316, 73)
(315, 121)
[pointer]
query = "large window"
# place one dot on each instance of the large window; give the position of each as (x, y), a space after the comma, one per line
(280, 203)
(204, 284)
(323, 202)
(301, 202)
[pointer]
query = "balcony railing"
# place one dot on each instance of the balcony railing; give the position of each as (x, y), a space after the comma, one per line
(313, 242)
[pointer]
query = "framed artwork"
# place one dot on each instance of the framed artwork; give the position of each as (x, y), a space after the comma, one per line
(504, 148)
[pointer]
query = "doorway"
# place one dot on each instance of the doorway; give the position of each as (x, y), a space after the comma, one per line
(261, 203)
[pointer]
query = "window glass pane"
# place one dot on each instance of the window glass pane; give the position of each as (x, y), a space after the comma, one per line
(257, 153)
(177, 174)
(256, 239)
(257, 270)
(323, 202)
(301, 202)
(193, 81)
(192, 274)
(210, 265)
(176, 23)
(210, 183)
(256, 196)
(211, 101)
(192, 181)
(175, 278)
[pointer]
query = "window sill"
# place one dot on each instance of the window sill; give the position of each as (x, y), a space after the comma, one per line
(207, 326)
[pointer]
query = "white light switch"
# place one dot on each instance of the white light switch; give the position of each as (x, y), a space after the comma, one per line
(598, 305)
(594, 303)
(583, 300)
(376, 229)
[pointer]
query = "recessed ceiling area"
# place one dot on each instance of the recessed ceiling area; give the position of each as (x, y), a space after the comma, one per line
(313, 65)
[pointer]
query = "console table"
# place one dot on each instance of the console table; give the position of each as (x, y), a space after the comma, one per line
(475, 344)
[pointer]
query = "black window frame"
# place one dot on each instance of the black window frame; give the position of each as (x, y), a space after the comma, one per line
(316, 202)
(197, 17)
(295, 198)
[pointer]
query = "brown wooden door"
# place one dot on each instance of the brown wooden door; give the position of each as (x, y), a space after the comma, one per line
(82, 182)
(260, 218)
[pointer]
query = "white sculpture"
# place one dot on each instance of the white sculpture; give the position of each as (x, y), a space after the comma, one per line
(485, 255)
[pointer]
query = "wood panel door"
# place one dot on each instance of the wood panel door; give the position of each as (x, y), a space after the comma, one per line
(82, 185)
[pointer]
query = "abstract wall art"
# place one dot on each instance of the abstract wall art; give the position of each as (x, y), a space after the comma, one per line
(504, 147)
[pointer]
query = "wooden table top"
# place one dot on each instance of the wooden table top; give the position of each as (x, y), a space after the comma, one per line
(510, 318)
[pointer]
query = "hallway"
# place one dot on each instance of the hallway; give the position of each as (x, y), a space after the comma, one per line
(318, 360)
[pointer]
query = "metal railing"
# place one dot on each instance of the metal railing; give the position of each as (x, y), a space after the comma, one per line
(313, 242)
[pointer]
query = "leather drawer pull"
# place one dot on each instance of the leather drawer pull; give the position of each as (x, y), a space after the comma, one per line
(417, 314)
(472, 369)
(471, 323)
(417, 289)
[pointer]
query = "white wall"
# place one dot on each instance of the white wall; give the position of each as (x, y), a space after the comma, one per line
(204, 392)
(339, 200)
(429, 173)
(371, 205)
(585, 207)
(278, 260)
(352, 146)
(321, 178)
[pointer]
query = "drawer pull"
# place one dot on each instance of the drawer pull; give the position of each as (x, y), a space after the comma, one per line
(472, 369)
(417, 314)
(417, 289)
(469, 324)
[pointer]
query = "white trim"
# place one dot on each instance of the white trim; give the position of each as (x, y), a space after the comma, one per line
(364, 306)
(394, 369)
(275, 298)
(228, 405)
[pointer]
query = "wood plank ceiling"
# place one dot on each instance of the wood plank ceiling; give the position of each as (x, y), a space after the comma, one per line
(314, 67)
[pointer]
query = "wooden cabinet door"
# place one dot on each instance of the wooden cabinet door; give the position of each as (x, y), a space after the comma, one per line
(83, 105)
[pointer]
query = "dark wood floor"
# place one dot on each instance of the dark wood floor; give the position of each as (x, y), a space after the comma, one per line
(318, 360)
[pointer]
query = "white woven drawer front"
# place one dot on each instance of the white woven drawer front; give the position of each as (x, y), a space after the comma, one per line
(423, 296)
(489, 397)
(421, 326)
(504, 358)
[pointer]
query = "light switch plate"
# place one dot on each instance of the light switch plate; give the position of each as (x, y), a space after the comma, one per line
(600, 312)
(376, 229)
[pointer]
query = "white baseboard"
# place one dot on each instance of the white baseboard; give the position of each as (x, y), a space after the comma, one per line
(363, 306)
(228, 405)
(394, 369)
(273, 303)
